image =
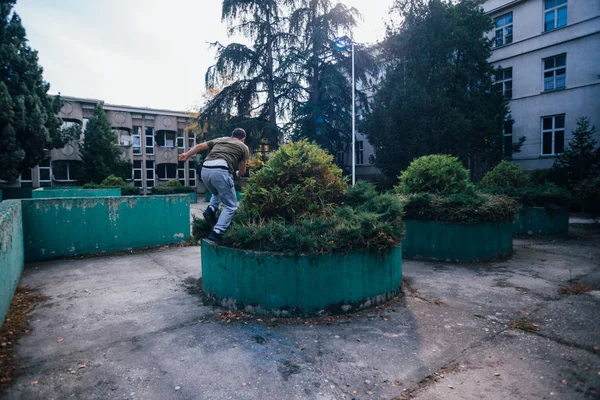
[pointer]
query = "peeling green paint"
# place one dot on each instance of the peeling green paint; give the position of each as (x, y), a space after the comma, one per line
(287, 285)
(59, 227)
(541, 221)
(457, 242)
(44, 193)
(11, 256)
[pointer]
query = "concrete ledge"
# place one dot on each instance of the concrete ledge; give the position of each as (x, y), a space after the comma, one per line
(43, 193)
(287, 285)
(541, 221)
(457, 242)
(61, 227)
(11, 252)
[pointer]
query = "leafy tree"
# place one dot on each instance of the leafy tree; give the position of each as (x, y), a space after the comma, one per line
(437, 95)
(580, 157)
(322, 108)
(100, 153)
(29, 125)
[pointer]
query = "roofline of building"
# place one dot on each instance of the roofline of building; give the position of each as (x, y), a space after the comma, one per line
(131, 109)
(505, 6)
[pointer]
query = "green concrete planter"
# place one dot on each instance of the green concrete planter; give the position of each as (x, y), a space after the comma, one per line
(43, 193)
(287, 285)
(208, 196)
(11, 252)
(457, 242)
(541, 221)
(193, 197)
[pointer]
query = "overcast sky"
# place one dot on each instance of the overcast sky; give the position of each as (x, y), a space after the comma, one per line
(147, 53)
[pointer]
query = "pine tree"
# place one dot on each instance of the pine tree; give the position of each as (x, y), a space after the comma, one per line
(580, 157)
(100, 152)
(29, 126)
(437, 94)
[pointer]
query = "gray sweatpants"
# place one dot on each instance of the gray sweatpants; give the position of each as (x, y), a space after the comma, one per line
(220, 183)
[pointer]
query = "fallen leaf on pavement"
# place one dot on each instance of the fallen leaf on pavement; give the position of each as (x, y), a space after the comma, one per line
(60, 340)
(451, 387)
(564, 381)
(301, 347)
(34, 382)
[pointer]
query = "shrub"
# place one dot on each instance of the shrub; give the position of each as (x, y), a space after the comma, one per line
(300, 179)
(130, 191)
(437, 174)
(360, 193)
(164, 190)
(540, 176)
(588, 196)
(459, 208)
(505, 174)
(113, 181)
(172, 183)
(547, 195)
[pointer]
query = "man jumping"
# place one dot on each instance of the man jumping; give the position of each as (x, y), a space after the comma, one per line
(225, 154)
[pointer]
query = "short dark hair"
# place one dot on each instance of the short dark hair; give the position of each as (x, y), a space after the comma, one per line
(238, 133)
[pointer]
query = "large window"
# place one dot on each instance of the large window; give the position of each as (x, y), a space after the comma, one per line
(84, 126)
(149, 173)
(555, 72)
(191, 139)
(507, 145)
(555, 14)
(503, 30)
(553, 134)
(359, 152)
(70, 125)
(137, 173)
(67, 170)
(166, 171)
(137, 140)
(192, 173)
(165, 138)
(26, 179)
(181, 172)
(45, 173)
(180, 141)
(149, 140)
(503, 82)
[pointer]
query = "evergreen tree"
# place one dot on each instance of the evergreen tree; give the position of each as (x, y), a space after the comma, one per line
(29, 126)
(580, 158)
(437, 95)
(100, 152)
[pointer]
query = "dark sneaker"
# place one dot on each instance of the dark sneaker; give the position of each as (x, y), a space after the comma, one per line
(215, 237)
(210, 216)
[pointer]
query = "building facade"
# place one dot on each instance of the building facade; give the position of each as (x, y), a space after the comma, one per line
(549, 55)
(151, 139)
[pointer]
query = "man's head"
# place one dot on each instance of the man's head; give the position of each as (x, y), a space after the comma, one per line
(239, 133)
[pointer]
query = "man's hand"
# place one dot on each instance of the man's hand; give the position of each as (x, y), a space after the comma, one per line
(184, 157)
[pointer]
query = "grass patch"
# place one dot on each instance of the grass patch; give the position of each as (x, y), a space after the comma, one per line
(575, 288)
(525, 325)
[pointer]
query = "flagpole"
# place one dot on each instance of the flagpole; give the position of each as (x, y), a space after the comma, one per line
(353, 122)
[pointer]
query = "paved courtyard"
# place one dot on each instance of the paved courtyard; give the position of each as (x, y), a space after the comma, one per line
(135, 327)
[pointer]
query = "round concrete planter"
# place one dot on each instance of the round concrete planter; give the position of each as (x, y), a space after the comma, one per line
(287, 285)
(541, 221)
(457, 242)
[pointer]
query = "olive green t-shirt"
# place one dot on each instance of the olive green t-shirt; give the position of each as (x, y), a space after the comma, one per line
(230, 149)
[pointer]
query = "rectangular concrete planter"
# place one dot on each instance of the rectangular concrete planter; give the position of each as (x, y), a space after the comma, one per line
(541, 221)
(457, 242)
(12, 193)
(11, 252)
(287, 285)
(43, 193)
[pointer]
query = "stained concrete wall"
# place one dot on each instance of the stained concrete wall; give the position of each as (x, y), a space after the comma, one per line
(61, 227)
(11, 254)
(541, 221)
(43, 193)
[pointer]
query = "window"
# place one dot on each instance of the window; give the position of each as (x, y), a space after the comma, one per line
(166, 171)
(553, 134)
(137, 173)
(507, 145)
(503, 30)
(84, 126)
(191, 139)
(555, 14)
(26, 179)
(71, 125)
(123, 136)
(359, 152)
(503, 82)
(555, 72)
(150, 141)
(45, 173)
(165, 138)
(67, 170)
(181, 172)
(137, 140)
(180, 141)
(192, 173)
(149, 173)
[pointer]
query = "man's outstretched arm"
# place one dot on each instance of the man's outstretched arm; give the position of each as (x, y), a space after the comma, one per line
(197, 148)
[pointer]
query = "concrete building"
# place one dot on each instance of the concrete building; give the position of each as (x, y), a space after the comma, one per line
(151, 139)
(549, 52)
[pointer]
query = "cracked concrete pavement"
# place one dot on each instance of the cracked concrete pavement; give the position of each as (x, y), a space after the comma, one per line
(131, 328)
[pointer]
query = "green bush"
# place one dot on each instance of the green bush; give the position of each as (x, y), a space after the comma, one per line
(360, 193)
(437, 174)
(459, 208)
(113, 181)
(505, 174)
(130, 191)
(172, 183)
(164, 190)
(547, 195)
(540, 176)
(299, 180)
(588, 196)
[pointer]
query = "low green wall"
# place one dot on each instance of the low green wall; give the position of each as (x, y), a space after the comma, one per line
(12, 193)
(288, 285)
(11, 252)
(541, 221)
(457, 242)
(43, 193)
(60, 227)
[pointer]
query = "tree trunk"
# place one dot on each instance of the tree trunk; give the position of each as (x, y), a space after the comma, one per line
(273, 130)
